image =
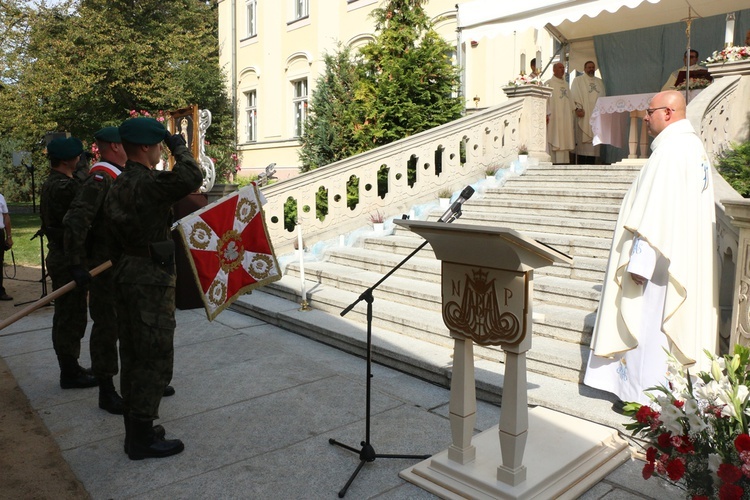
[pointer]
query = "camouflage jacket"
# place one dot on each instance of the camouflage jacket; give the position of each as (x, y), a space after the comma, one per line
(138, 209)
(86, 233)
(58, 192)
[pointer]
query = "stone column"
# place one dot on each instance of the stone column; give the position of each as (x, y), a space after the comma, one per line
(739, 211)
(533, 125)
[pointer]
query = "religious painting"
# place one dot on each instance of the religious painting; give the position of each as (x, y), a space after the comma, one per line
(185, 122)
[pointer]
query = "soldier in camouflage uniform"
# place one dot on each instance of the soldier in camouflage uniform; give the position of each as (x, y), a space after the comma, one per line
(69, 320)
(85, 241)
(139, 211)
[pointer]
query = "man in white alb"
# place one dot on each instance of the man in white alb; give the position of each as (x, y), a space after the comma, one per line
(560, 138)
(660, 287)
(586, 89)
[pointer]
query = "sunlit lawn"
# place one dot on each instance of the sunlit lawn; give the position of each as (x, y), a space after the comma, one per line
(27, 251)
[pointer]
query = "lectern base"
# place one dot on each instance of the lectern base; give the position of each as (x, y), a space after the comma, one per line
(565, 456)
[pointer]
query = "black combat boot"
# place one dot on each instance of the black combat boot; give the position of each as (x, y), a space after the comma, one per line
(72, 376)
(159, 432)
(108, 398)
(143, 440)
(168, 391)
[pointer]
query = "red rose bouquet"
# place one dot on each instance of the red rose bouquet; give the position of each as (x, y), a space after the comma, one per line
(696, 429)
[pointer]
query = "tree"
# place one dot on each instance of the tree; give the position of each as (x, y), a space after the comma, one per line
(402, 83)
(409, 79)
(79, 66)
(329, 131)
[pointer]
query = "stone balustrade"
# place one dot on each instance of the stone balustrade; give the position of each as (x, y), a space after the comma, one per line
(446, 157)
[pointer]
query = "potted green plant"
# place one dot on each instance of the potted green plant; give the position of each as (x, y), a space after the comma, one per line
(444, 197)
(491, 171)
(523, 153)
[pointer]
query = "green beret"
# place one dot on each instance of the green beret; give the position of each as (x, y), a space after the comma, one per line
(142, 130)
(64, 149)
(108, 134)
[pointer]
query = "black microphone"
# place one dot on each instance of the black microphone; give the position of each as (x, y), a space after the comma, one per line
(455, 209)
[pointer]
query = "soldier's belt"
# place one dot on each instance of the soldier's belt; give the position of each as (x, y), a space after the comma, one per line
(137, 251)
(161, 252)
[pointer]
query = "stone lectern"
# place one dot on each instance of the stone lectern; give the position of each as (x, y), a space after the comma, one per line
(487, 288)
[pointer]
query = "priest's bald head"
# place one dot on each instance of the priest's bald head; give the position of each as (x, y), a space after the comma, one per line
(664, 109)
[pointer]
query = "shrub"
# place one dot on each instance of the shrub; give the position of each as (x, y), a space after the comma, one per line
(734, 165)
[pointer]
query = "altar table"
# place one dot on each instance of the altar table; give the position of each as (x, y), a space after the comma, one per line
(609, 119)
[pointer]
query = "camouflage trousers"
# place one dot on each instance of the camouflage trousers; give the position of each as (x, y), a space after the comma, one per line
(70, 317)
(145, 316)
(103, 310)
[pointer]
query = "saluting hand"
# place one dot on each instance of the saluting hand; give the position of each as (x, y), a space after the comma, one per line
(174, 140)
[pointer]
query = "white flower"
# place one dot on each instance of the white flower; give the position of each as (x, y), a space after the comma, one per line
(714, 461)
(670, 416)
(729, 54)
(742, 393)
(709, 392)
(728, 398)
(694, 417)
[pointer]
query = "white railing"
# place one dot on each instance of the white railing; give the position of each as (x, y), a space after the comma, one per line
(490, 138)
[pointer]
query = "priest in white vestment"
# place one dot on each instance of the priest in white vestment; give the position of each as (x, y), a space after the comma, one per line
(586, 89)
(661, 284)
(560, 137)
(694, 66)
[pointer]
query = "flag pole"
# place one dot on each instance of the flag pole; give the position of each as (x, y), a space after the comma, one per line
(52, 296)
(301, 248)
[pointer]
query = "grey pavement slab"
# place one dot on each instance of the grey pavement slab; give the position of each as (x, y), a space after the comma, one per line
(256, 406)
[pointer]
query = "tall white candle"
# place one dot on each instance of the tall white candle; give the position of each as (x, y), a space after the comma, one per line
(729, 33)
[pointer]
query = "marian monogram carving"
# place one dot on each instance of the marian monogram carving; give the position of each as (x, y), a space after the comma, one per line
(488, 305)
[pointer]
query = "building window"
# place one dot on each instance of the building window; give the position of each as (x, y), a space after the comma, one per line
(251, 114)
(299, 105)
(251, 9)
(300, 8)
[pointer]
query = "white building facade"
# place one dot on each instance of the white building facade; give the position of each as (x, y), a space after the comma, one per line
(272, 52)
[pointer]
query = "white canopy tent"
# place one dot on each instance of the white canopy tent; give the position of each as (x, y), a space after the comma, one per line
(577, 21)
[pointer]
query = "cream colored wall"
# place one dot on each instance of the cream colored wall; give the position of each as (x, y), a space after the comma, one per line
(283, 52)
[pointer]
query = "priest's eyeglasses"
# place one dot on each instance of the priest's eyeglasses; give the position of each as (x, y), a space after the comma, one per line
(651, 111)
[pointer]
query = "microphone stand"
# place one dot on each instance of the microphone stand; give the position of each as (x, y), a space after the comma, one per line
(39, 234)
(367, 452)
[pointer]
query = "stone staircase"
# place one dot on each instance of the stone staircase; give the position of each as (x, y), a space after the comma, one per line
(571, 208)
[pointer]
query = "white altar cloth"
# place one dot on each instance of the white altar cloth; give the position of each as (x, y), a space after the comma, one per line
(609, 118)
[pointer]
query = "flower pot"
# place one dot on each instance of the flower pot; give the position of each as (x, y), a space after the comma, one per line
(523, 158)
(444, 203)
(378, 227)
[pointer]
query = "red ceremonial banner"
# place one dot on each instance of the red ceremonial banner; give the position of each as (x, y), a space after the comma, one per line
(229, 248)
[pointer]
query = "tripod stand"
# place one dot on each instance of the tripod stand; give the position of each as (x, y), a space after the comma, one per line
(43, 281)
(367, 452)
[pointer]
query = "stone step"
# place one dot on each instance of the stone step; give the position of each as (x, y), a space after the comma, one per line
(596, 211)
(426, 360)
(548, 356)
(600, 170)
(403, 242)
(541, 223)
(426, 294)
(426, 267)
(541, 193)
(571, 182)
